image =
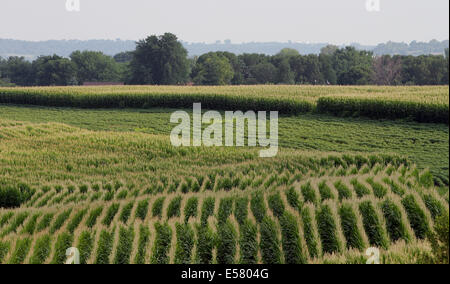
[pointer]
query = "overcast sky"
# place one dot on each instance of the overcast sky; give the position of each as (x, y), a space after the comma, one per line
(334, 21)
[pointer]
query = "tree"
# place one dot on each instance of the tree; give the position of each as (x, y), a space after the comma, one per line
(248, 62)
(329, 50)
(124, 57)
(213, 69)
(54, 71)
(264, 73)
(353, 67)
(160, 60)
(387, 70)
(327, 70)
(94, 66)
(306, 69)
(288, 52)
(285, 74)
(18, 71)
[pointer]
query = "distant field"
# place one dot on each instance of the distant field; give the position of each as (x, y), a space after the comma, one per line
(424, 144)
(423, 104)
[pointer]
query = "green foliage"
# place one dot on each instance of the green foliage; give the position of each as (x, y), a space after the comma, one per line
(269, 243)
(293, 198)
(208, 207)
(433, 205)
(325, 191)
(162, 244)
(372, 225)
(185, 244)
(440, 240)
(94, 66)
(350, 228)
(41, 250)
(276, 204)
(85, 245)
(125, 246)
(205, 244)
(359, 188)
(426, 178)
(144, 239)
(158, 207)
(226, 243)
(394, 223)
(241, 209)
(21, 251)
(105, 246)
(378, 190)
(110, 214)
(416, 217)
(126, 212)
(328, 230)
(5, 218)
(343, 191)
(258, 206)
(63, 242)
(76, 220)
(310, 236)
(159, 60)
(395, 188)
(213, 68)
(142, 209)
(29, 228)
(225, 210)
(15, 223)
(309, 194)
(174, 208)
(291, 241)
(248, 243)
(4, 249)
(10, 197)
(190, 209)
(93, 216)
(45, 222)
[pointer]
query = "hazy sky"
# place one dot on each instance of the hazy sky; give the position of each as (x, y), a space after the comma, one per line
(334, 21)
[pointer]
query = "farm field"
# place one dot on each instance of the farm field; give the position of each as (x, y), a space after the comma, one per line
(423, 104)
(107, 180)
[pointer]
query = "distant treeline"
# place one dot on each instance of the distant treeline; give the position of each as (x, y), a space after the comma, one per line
(163, 60)
(31, 49)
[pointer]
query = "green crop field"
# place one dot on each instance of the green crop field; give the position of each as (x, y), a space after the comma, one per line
(93, 168)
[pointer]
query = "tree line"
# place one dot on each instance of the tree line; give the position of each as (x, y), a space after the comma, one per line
(162, 60)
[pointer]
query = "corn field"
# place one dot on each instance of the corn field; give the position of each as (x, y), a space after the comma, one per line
(296, 210)
(423, 104)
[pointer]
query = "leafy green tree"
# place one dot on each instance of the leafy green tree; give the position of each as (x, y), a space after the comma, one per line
(17, 70)
(329, 50)
(213, 69)
(94, 66)
(353, 67)
(306, 69)
(248, 62)
(160, 60)
(124, 57)
(264, 73)
(54, 71)
(327, 70)
(288, 52)
(285, 74)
